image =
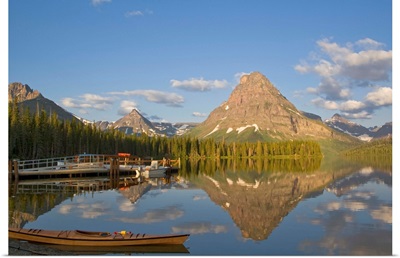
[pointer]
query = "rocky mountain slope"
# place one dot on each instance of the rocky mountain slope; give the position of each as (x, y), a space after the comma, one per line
(21, 92)
(34, 100)
(135, 123)
(256, 110)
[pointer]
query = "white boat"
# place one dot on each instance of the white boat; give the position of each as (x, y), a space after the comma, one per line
(154, 170)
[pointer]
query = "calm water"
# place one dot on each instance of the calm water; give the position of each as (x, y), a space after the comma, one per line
(229, 211)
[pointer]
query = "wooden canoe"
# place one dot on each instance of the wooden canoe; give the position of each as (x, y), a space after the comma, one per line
(89, 238)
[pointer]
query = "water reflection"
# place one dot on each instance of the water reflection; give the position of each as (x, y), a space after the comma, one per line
(360, 224)
(229, 208)
(127, 250)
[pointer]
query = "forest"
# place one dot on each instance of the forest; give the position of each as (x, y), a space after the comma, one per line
(376, 152)
(379, 147)
(44, 136)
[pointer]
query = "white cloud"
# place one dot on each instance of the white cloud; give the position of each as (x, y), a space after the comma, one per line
(370, 63)
(69, 102)
(126, 107)
(334, 51)
(155, 96)
(198, 114)
(327, 104)
(368, 43)
(342, 68)
(380, 97)
(137, 13)
(194, 84)
(351, 105)
(99, 2)
(311, 90)
(134, 13)
(367, 64)
(303, 67)
(357, 115)
(373, 65)
(92, 101)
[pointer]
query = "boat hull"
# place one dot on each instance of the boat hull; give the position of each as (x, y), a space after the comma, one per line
(82, 238)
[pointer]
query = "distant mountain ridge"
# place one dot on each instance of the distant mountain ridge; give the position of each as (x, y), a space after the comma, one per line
(135, 123)
(341, 124)
(256, 110)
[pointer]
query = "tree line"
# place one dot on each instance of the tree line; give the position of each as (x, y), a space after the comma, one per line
(377, 153)
(43, 136)
(379, 147)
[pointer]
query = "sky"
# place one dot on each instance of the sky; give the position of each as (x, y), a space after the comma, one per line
(177, 60)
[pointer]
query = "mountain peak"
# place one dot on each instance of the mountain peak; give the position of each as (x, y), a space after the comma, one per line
(256, 81)
(35, 101)
(254, 76)
(256, 110)
(255, 90)
(135, 112)
(338, 118)
(22, 92)
(133, 123)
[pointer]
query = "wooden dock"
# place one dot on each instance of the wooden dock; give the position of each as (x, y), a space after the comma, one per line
(81, 166)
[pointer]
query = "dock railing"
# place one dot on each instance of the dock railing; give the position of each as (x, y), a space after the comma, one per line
(41, 164)
(80, 165)
(78, 161)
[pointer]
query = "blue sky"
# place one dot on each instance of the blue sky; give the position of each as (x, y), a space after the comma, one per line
(177, 60)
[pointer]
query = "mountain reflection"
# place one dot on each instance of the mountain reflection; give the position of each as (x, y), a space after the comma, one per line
(258, 201)
(256, 194)
(258, 206)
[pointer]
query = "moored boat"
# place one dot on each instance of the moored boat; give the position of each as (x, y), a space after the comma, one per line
(154, 170)
(90, 238)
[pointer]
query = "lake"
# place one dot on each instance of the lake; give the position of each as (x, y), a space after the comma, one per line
(233, 208)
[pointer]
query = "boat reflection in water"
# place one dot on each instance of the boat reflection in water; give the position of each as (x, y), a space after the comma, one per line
(132, 188)
(102, 250)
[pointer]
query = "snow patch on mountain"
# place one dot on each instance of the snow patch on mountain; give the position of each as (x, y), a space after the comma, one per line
(213, 131)
(241, 182)
(365, 138)
(241, 129)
